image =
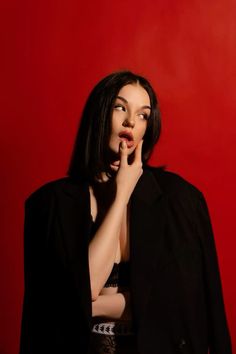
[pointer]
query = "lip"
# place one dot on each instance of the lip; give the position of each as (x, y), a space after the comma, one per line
(128, 137)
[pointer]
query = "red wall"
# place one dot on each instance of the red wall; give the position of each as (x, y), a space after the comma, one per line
(53, 52)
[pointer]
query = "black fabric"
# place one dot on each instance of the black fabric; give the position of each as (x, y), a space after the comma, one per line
(106, 344)
(124, 274)
(113, 278)
(176, 294)
(120, 275)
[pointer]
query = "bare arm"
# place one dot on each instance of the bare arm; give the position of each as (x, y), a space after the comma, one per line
(103, 247)
(114, 306)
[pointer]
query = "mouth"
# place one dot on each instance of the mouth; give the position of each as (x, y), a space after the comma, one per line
(128, 137)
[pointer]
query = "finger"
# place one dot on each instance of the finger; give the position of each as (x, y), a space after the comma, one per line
(138, 152)
(115, 165)
(114, 168)
(123, 154)
(116, 162)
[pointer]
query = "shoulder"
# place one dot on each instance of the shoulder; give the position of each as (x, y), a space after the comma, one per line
(174, 185)
(183, 197)
(46, 190)
(55, 188)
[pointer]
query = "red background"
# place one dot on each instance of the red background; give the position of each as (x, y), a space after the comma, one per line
(53, 52)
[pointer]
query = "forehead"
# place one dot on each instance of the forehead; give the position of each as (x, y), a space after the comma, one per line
(134, 93)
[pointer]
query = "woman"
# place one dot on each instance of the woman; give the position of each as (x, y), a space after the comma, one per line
(120, 256)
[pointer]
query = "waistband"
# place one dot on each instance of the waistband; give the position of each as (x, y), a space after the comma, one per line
(113, 328)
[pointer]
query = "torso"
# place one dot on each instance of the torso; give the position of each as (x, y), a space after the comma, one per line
(105, 342)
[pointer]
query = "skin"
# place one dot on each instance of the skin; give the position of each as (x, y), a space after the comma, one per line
(110, 242)
(130, 112)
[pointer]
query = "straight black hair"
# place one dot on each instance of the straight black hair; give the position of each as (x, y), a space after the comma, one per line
(90, 153)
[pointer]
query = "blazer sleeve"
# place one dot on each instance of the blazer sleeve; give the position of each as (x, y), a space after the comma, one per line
(36, 311)
(218, 332)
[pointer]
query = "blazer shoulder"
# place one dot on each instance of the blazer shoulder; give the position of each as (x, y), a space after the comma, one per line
(174, 184)
(182, 194)
(59, 188)
(46, 191)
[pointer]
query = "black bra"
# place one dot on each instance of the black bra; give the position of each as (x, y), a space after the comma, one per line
(120, 275)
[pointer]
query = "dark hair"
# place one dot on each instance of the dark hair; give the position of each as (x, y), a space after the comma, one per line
(90, 153)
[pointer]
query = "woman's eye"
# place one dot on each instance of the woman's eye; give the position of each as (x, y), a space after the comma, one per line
(119, 107)
(144, 115)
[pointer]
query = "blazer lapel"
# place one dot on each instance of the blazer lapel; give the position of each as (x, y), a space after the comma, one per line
(147, 222)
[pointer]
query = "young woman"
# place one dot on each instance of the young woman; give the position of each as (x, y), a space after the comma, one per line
(120, 256)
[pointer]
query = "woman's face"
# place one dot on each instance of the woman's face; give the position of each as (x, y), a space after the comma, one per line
(131, 110)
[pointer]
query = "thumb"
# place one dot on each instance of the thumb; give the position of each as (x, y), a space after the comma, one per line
(123, 154)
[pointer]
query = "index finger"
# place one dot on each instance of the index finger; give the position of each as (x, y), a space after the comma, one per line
(138, 152)
(123, 154)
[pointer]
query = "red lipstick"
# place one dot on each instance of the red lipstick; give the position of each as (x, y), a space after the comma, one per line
(128, 137)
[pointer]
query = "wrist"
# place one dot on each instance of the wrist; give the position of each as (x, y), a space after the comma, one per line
(98, 307)
(121, 197)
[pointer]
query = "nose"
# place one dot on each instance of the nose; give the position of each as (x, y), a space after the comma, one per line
(129, 121)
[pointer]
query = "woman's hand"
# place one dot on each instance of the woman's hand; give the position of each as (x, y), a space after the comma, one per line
(128, 175)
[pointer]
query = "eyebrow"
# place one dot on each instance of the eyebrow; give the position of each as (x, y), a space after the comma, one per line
(125, 101)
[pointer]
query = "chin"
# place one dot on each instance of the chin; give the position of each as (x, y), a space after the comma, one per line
(130, 152)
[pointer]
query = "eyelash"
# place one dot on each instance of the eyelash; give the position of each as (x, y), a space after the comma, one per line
(145, 115)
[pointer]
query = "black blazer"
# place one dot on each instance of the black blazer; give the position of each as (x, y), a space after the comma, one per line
(176, 292)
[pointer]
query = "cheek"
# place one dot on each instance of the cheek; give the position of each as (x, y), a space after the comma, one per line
(113, 133)
(114, 124)
(142, 130)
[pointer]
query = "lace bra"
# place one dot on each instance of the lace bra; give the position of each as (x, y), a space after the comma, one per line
(119, 275)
